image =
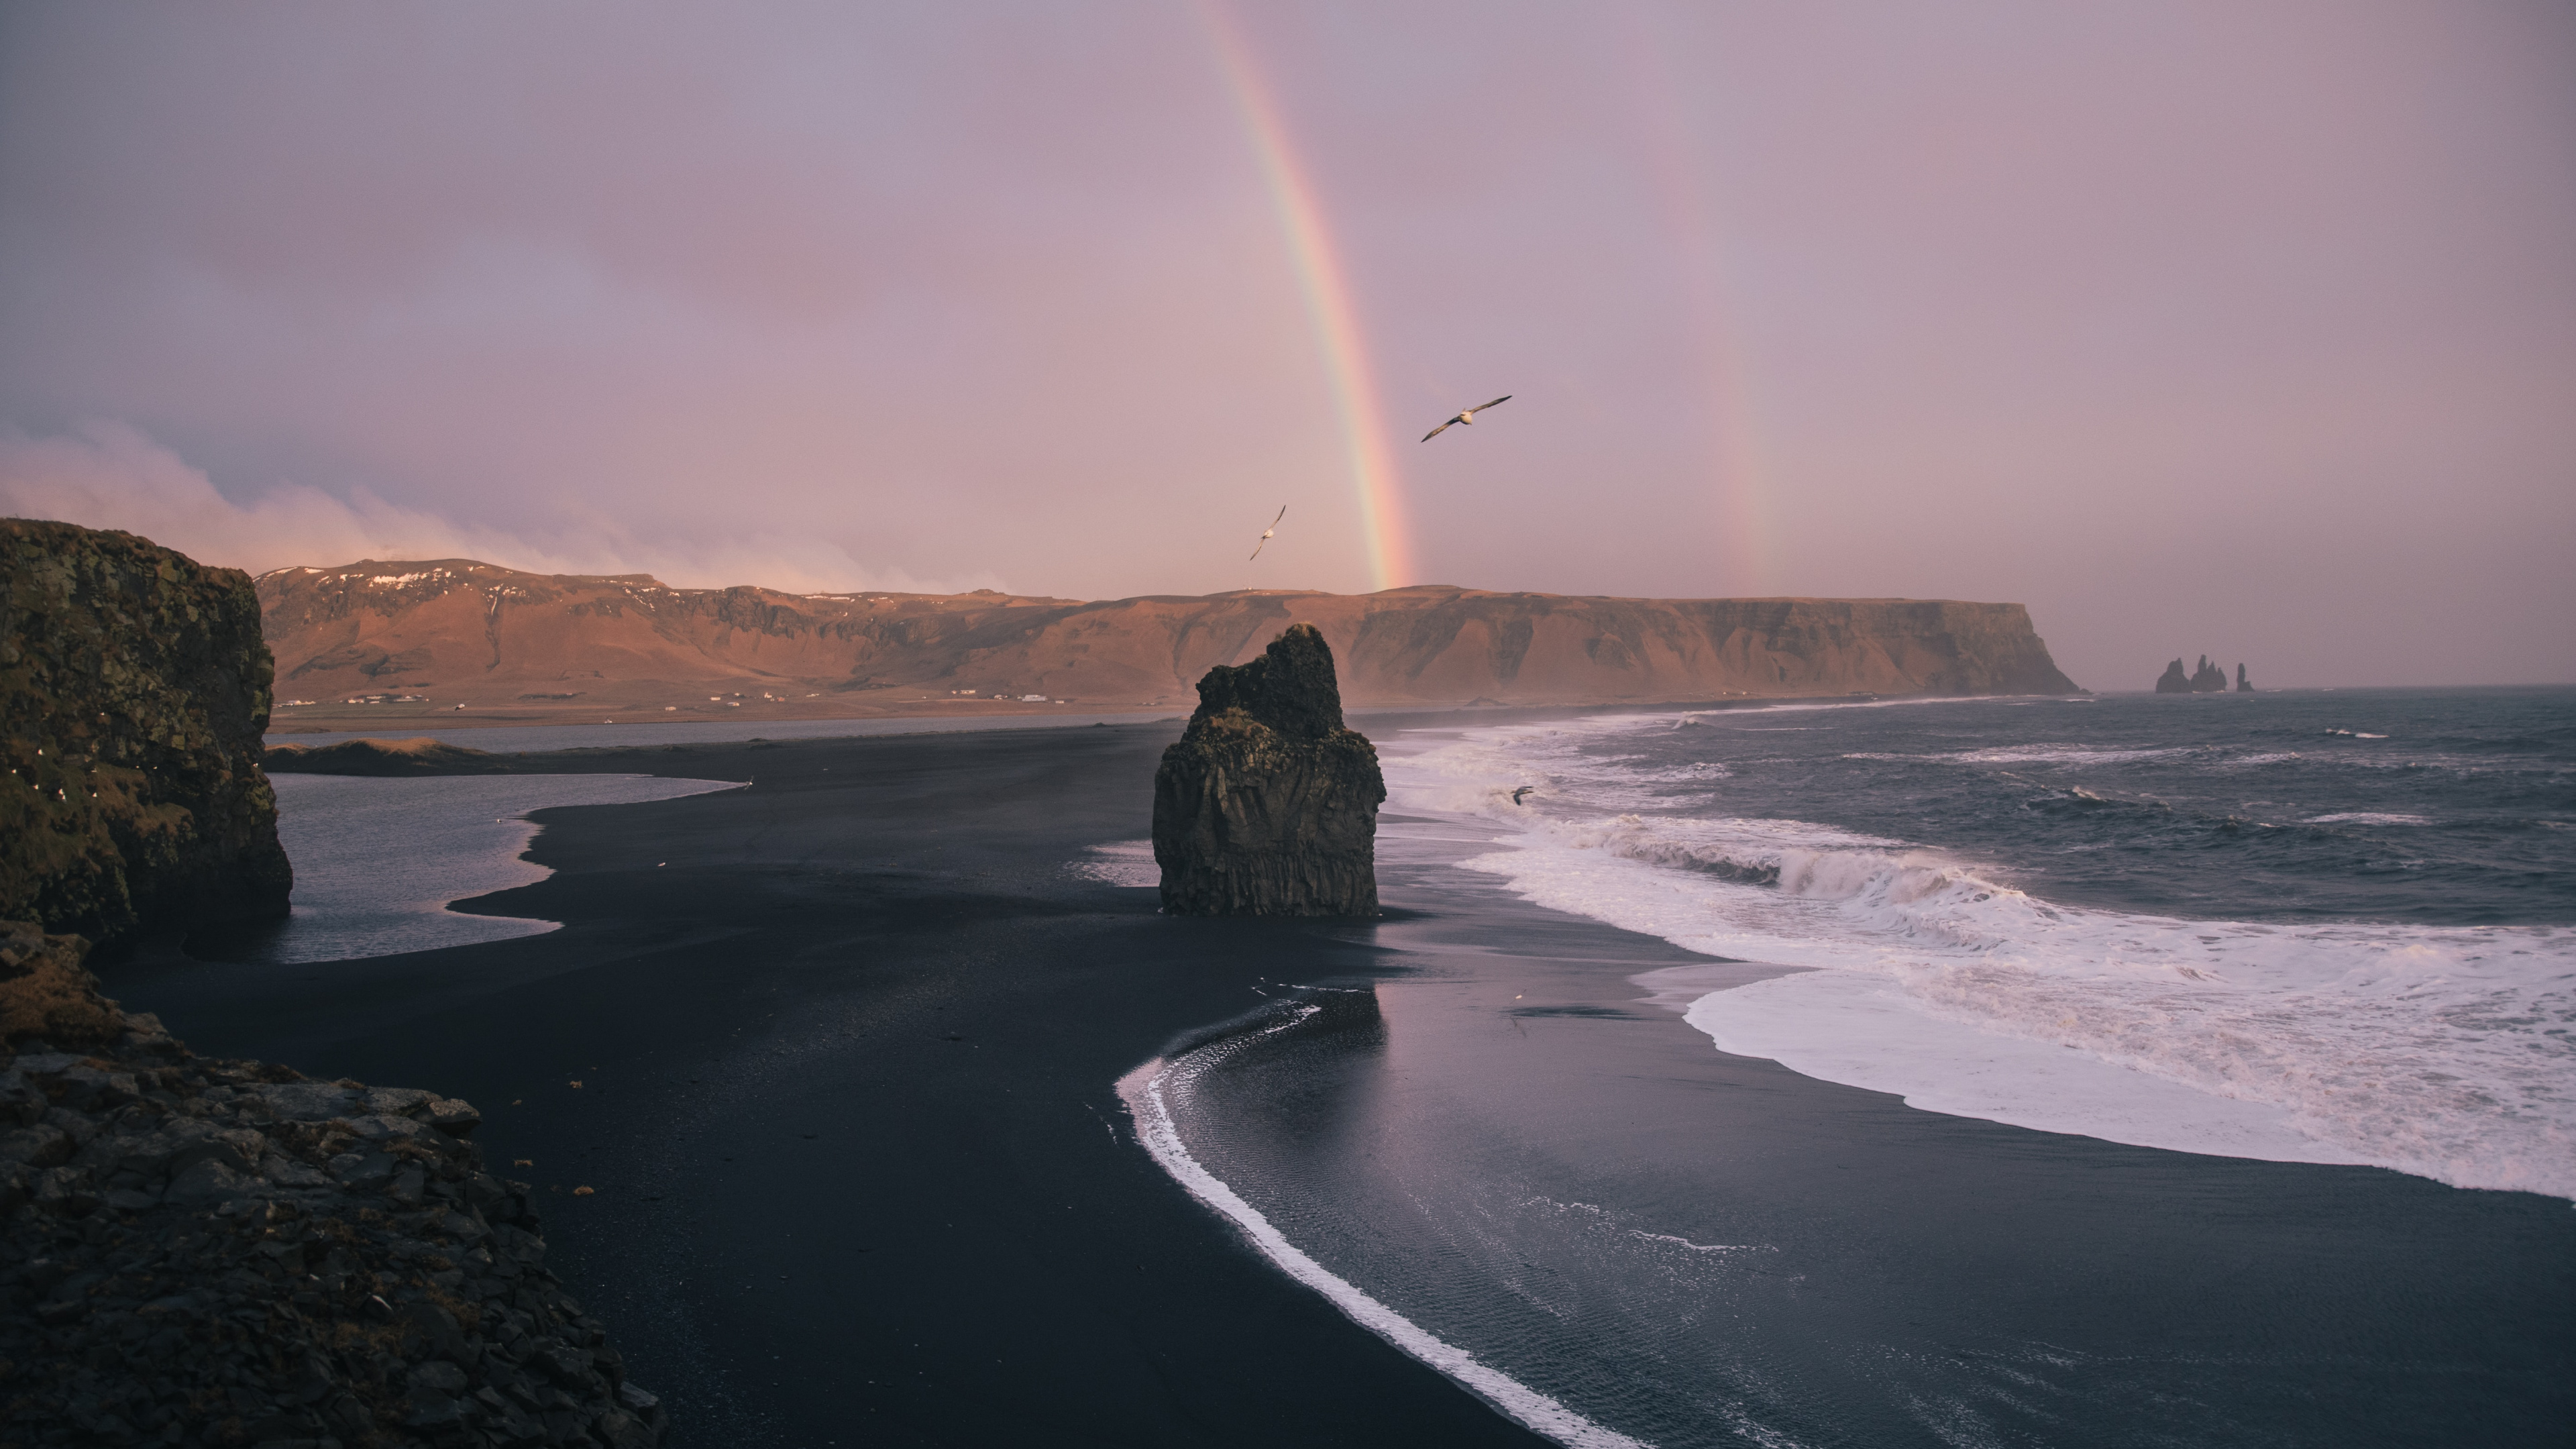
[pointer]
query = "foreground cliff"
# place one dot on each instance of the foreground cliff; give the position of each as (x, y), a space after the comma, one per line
(134, 687)
(199, 1252)
(424, 637)
(1267, 805)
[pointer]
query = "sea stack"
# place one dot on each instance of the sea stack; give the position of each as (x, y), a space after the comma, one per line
(2243, 685)
(1268, 804)
(134, 686)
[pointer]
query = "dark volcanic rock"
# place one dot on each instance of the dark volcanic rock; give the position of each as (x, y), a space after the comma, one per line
(2207, 679)
(133, 690)
(1268, 805)
(2243, 686)
(199, 1252)
(423, 756)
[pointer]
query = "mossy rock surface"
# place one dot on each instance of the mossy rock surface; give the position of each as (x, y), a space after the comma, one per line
(134, 688)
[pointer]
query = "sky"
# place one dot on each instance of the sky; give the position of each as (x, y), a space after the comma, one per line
(2245, 329)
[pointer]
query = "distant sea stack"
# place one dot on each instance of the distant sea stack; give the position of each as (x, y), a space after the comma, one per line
(134, 686)
(2243, 686)
(424, 636)
(2207, 679)
(1267, 806)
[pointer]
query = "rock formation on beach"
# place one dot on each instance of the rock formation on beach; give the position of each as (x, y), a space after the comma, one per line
(200, 1252)
(2243, 686)
(1267, 806)
(134, 686)
(427, 636)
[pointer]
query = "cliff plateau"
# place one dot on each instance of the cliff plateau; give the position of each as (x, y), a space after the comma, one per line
(1267, 805)
(374, 641)
(134, 688)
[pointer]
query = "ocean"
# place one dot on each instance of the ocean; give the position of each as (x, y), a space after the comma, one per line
(2103, 1070)
(378, 862)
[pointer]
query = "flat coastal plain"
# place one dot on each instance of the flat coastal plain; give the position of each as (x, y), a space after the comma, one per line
(835, 1055)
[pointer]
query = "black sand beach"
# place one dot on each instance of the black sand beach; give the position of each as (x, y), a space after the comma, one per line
(845, 1044)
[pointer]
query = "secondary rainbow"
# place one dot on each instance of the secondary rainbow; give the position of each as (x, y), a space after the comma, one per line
(1327, 295)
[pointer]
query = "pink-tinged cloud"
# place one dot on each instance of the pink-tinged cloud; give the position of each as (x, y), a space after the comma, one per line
(108, 475)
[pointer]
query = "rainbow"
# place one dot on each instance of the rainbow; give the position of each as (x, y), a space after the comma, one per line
(1737, 467)
(1327, 294)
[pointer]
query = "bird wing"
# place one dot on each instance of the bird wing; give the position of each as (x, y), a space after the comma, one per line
(1436, 432)
(1283, 513)
(1480, 407)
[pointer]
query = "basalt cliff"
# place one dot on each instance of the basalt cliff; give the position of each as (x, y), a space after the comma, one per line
(428, 637)
(1267, 805)
(133, 690)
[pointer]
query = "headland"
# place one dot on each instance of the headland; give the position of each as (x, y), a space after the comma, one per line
(454, 643)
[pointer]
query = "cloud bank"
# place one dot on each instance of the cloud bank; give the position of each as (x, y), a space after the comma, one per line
(111, 475)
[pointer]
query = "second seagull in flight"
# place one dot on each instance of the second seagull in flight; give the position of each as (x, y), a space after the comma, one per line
(1265, 533)
(1467, 416)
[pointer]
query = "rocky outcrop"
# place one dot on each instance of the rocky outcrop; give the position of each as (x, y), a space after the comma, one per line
(203, 1252)
(423, 756)
(133, 689)
(2243, 686)
(430, 636)
(1267, 806)
(2207, 679)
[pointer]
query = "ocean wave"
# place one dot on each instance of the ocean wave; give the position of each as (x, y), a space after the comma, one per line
(2444, 1052)
(1159, 1090)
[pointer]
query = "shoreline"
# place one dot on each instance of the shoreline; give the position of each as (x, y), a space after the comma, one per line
(847, 1101)
(939, 714)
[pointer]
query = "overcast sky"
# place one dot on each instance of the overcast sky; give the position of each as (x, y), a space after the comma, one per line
(2246, 328)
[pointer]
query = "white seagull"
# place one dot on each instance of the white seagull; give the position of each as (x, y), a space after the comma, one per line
(1265, 533)
(1468, 416)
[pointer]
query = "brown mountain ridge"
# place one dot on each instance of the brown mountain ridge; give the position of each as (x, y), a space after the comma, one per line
(508, 645)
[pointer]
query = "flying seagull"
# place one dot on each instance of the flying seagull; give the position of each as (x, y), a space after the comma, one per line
(1468, 416)
(1517, 794)
(1265, 533)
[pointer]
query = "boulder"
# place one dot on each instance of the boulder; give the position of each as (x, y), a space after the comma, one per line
(134, 688)
(46, 992)
(1268, 804)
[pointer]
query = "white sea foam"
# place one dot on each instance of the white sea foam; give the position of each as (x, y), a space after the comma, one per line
(2445, 1052)
(1146, 1091)
(2368, 817)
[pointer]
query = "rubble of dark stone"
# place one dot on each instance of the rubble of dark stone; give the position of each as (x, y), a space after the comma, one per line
(1267, 805)
(205, 1252)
